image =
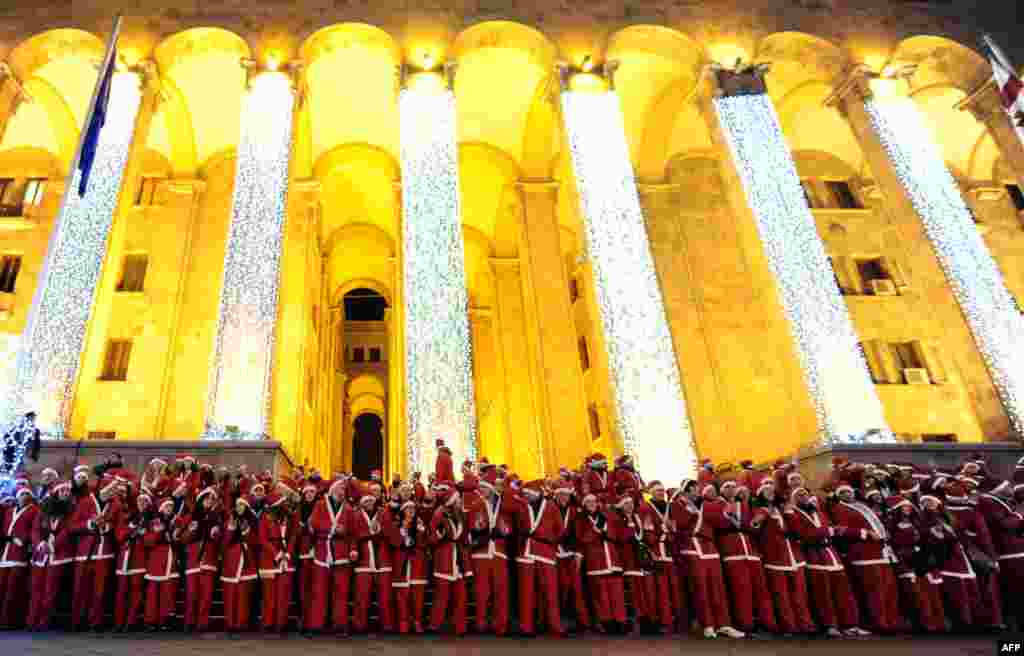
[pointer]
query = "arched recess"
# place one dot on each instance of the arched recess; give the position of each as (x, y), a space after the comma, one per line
(369, 445)
(798, 57)
(542, 133)
(41, 49)
(177, 125)
(357, 182)
(361, 283)
(957, 132)
(809, 125)
(487, 172)
(478, 251)
(62, 121)
(941, 61)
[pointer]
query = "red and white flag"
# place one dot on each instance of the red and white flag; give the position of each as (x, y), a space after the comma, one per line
(1011, 89)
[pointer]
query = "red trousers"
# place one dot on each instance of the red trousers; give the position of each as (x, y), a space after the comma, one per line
(707, 590)
(160, 600)
(330, 587)
(535, 579)
(660, 594)
(990, 606)
(570, 587)
(46, 583)
(878, 595)
(237, 605)
(922, 599)
(681, 593)
(198, 599)
(789, 588)
(365, 583)
(13, 586)
(128, 602)
(445, 592)
(490, 585)
(306, 592)
(90, 591)
(832, 598)
(961, 600)
(748, 592)
(639, 593)
(609, 597)
(1011, 578)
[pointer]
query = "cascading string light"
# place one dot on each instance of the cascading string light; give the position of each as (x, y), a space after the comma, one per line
(54, 335)
(978, 285)
(845, 401)
(438, 356)
(238, 405)
(650, 405)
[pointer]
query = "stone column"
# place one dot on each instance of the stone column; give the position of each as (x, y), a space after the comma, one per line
(56, 331)
(490, 410)
(397, 447)
(527, 453)
(986, 106)
(238, 404)
(925, 202)
(11, 96)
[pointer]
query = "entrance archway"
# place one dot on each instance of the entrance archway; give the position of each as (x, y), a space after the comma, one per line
(367, 445)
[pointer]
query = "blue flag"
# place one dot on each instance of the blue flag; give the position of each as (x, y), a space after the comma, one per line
(92, 131)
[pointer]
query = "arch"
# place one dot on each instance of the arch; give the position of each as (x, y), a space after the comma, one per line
(62, 121)
(27, 161)
(813, 57)
(941, 61)
(366, 384)
(368, 444)
(542, 132)
(39, 50)
(348, 35)
(357, 283)
(367, 403)
(368, 233)
(809, 125)
(509, 35)
(198, 41)
(956, 132)
(346, 155)
(656, 141)
(180, 133)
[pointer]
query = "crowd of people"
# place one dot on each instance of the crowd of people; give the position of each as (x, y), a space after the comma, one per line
(880, 549)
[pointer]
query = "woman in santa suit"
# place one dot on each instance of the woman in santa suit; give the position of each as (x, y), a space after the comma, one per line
(601, 566)
(272, 557)
(160, 539)
(373, 534)
(54, 552)
(668, 597)
(409, 578)
(201, 536)
(959, 582)
(627, 530)
(131, 562)
(975, 536)
(570, 560)
(919, 583)
(332, 559)
(449, 537)
(306, 551)
(239, 537)
(539, 522)
(15, 542)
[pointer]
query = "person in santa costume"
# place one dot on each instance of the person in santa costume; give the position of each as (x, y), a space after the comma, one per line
(239, 537)
(741, 563)
(959, 581)
(490, 525)
(668, 594)
(976, 539)
(449, 537)
(131, 562)
(373, 533)
(277, 542)
(409, 578)
(870, 560)
(306, 550)
(15, 544)
(1005, 521)
(596, 479)
(93, 526)
(162, 569)
(601, 566)
(539, 523)
(200, 534)
(333, 555)
(832, 600)
(920, 584)
(625, 479)
(53, 555)
(570, 560)
(631, 539)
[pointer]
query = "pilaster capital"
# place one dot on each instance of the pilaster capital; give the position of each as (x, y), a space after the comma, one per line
(858, 82)
(742, 79)
(537, 186)
(984, 103)
(306, 185)
(186, 187)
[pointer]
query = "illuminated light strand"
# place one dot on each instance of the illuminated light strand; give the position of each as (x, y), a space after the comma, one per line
(845, 401)
(977, 283)
(649, 402)
(438, 358)
(238, 405)
(62, 305)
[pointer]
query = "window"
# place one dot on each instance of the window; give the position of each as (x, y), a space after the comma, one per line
(374, 354)
(809, 194)
(10, 265)
(939, 437)
(8, 206)
(1016, 196)
(584, 354)
(842, 195)
(889, 362)
(574, 290)
(906, 355)
(133, 273)
(595, 422)
(871, 269)
(115, 367)
(358, 354)
(102, 435)
(6, 184)
(147, 190)
(35, 190)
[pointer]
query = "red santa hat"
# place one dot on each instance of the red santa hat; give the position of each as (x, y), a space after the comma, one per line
(276, 501)
(81, 468)
(184, 457)
(158, 461)
(926, 497)
(895, 502)
(21, 490)
(598, 460)
(1002, 486)
(339, 484)
(165, 503)
(50, 471)
(621, 501)
(205, 492)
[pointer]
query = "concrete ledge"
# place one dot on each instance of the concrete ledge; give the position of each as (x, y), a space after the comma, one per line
(63, 455)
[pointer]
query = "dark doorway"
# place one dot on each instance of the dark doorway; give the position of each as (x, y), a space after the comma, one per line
(367, 446)
(364, 305)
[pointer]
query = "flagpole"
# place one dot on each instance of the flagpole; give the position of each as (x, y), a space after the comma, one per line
(997, 53)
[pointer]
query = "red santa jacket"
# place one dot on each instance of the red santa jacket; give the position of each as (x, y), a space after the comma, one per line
(860, 520)
(695, 537)
(410, 556)
(449, 536)
(627, 481)
(971, 527)
(131, 552)
(815, 533)
(275, 540)
(940, 536)
(160, 545)
(659, 523)
(95, 538)
(775, 540)
(1005, 524)
(731, 523)
(540, 527)
(16, 535)
(599, 553)
(627, 532)
(905, 539)
(329, 525)
(490, 526)
(202, 542)
(239, 539)
(372, 539)
(55, 532)
(568, 546)
(598, 483)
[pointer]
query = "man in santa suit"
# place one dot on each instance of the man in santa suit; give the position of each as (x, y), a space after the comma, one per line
(15, 544)
(669, 596)
(449, 536)
(162, 571)
(276, 542)
(333, 554)
(695, 540)
(54, 554)
(832, 598)
(200, 533)
(373, 534)
(974, 534)
(748, 589)
(131, 562)
(539, 524)
(490, 526)
(239, 538)
(48, 478)
(601, 566)
(1005, 522)
(959, 581)
(870, 560)
(596, 479)
(920, 587)
(625, 480)
(570, 571)
(627, 529)
(93, 525)
(409, 578)
(306, 551)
